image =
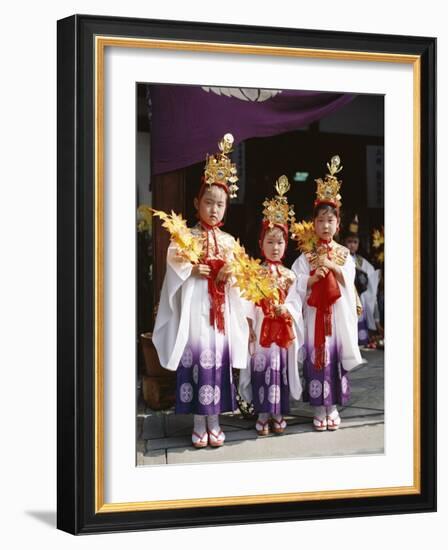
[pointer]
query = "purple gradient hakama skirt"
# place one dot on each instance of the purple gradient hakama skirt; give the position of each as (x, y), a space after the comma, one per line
(204, 379)
(326, 386)
(269, 379)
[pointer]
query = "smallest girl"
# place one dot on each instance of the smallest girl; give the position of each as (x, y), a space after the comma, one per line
(276, 330)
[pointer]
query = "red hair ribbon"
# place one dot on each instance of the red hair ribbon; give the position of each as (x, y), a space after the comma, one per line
(205, 185)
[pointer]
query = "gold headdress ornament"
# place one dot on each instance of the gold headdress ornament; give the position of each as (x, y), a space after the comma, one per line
(328, 189)
(277, 211)
(378, 244)
(220, 170)
(354, 225)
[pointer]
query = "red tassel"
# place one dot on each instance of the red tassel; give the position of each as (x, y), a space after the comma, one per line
(327, 322)
(216, 292)
(320, 357)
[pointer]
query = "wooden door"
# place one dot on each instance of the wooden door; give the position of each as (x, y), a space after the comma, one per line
(168, 194)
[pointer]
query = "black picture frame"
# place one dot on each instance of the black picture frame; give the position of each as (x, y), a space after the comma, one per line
(77, 475)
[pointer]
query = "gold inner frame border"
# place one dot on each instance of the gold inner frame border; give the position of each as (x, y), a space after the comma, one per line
(101, 42)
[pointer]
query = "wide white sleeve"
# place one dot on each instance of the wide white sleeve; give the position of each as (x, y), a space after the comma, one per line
(346, 320)
(172, 322)
(301, 268)
(369, 296)
(239, 309)
(249, 309)
(293, 303)
(245, 380)
(238, 334)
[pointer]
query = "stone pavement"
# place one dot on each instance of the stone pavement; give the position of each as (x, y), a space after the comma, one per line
(165, 438)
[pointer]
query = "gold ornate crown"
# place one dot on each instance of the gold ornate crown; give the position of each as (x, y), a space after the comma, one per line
(220, 170)
(277, 210)
(328, 189)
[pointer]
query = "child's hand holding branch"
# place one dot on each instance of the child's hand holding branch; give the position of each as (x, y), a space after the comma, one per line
(281, 310)
(224, 273)
(329, 265)
(319, 274)
(201, 270)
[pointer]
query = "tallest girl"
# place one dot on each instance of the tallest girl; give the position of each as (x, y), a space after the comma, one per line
(201, 329)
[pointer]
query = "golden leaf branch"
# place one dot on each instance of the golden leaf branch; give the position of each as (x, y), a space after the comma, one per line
(190, 248)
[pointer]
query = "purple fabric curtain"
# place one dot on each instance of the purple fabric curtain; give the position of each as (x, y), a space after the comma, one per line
(188, 121)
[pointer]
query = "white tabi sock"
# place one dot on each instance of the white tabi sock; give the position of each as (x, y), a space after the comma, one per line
(199, 424)
(320, 412)
(213, 423)
(262, 417)
(332, 411)
(214, 429)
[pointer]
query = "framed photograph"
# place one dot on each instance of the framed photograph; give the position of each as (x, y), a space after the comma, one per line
(201, 379)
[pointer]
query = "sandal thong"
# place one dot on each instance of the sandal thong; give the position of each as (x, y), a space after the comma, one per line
(216, 439)
(278, 426)
(199, 441)
(320, 424)
(262, 427)
(333, 423)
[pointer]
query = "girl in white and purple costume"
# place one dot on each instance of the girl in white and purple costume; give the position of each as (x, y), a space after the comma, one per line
(201, 329)
(325, 282)
(276, 329)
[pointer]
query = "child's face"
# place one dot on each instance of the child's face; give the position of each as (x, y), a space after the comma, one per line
(326, 224)
(212, 205)
(274, 244)
(352, 243)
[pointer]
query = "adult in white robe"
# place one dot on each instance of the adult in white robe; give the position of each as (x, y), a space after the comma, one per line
(368, 298)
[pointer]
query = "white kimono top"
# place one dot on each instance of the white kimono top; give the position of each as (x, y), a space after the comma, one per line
(344, 316)
(184, 308)
(287, 281)
(368, 297)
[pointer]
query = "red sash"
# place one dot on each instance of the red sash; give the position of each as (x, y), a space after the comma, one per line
(323, 295)
(275, 329)
(216, 291)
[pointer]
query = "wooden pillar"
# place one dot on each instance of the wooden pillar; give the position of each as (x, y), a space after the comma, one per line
(168, 194)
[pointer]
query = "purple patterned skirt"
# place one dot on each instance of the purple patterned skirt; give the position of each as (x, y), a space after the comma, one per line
(269, 379)
(204, 380)
(327, 386)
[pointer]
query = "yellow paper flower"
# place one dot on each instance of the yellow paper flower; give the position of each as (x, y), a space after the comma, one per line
(253, 280)
(144, 219)
(305, 236)
(190, 248)
(378, 244)
(378, 237)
